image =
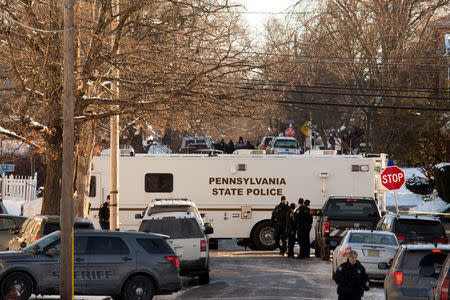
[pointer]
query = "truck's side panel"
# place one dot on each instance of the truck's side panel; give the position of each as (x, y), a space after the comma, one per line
(235, 192)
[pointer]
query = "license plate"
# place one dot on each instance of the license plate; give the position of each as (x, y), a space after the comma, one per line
(373, 253)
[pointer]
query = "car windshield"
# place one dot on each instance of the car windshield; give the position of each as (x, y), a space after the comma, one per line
(285, 144)
(373, 238)
(419, 227)
(42, 243)
(267, 140)
(175, 228)
(351, 207)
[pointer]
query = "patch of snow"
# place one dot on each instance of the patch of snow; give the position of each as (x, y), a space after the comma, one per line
(13, 206)
(441, 166)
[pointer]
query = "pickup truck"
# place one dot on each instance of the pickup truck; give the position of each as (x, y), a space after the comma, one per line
(340, 214)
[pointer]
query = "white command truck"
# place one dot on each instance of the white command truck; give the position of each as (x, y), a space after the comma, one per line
(236, 193)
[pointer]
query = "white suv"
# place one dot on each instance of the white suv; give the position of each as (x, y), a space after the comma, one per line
(182, 222)
(283, 145)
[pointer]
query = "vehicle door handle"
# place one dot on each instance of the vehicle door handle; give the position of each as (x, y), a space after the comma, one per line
(79, 259)
(127, 259)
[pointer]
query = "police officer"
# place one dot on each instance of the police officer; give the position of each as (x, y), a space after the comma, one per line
(103, 214)
(304, 227)
(351, 278)
(280, 215)
(291, 230)
(297, 219)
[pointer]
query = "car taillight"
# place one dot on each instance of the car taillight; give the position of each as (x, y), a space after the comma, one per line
(400, 237)
(444, 289)
(441, 240)
(346, 251)
(398, 277)
(326, 227)
(174, 260)
(203, 246)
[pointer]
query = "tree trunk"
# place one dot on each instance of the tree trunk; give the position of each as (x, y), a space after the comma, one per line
(83, 174)
(52, 188)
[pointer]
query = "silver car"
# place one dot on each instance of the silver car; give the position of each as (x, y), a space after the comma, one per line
(283, 145)
(373, 248)
(124, 265)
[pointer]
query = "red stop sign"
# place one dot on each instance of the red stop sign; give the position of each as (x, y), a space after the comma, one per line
(392, 178)
(289, 131)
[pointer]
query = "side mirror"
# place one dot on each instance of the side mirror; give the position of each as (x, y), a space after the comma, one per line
(23, 245)
(383, 266)
(138, 216)
(51, 252)
(208, 229)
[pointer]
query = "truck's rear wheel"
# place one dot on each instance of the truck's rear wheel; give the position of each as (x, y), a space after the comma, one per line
(316, 249)
(262, 236)
(325, 253)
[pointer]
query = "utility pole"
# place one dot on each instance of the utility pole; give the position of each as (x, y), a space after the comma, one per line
(114, 145)
(66, 205)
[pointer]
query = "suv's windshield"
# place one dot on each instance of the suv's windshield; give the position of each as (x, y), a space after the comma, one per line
(42, 243)
(419, 227)
(351, 208)
(175, 228)
(285, 144)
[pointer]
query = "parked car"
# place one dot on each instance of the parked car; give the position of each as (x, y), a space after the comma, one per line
(283, 145)
(165, 205)
(440, 290)
(9, 226)
(414, 271)
(36, 227)
(125, 150)
(414, 228)
(187, 236)
(265, 142)
(122, 264)
(373, 247)
(339, 214)
(193, 143)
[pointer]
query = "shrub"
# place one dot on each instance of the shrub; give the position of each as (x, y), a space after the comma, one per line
(420, 185)
(441, 174)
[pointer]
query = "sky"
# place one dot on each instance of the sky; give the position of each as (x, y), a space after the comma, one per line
(255, 8)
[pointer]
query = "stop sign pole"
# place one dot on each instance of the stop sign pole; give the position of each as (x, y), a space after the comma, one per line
(393, 178)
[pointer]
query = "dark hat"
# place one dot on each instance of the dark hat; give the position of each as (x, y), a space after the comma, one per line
(283, 198)
(307, 202)
(292, 206)
(300, 200)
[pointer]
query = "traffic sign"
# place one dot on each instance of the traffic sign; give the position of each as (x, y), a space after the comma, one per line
(7, 168)
(289, 131)
(392, 178)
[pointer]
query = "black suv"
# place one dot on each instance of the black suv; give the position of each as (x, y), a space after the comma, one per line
(339, 214)
(411, 229)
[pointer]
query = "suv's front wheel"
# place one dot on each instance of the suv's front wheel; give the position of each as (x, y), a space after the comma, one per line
(138, 288)
(21, 282)
(204, 277)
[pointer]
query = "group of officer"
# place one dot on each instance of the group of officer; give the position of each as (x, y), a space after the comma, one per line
(292, 223)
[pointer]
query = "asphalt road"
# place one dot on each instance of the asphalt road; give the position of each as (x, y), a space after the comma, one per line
(239, 274)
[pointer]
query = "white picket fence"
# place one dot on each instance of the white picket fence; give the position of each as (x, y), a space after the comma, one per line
(16, 187)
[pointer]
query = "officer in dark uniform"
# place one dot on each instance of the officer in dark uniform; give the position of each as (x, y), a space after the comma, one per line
(291, 230)
(103, 214)
(280, 215)
(351, 278)
(304, 222)
(297, 218)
